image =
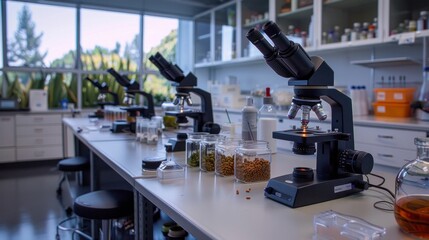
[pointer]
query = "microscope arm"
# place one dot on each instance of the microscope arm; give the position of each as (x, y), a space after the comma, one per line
(206, 102)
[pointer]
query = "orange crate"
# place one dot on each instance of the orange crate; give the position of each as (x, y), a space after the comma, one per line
(383, 109)
(394, 95)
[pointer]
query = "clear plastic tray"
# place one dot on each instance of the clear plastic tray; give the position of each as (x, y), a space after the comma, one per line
(170, 170)
(331, 225)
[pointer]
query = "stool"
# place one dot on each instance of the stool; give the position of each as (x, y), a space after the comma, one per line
(105, 205)
(70, 165)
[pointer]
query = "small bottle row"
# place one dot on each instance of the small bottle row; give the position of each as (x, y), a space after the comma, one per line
(359, 31)
(248, 161)
(412, 25)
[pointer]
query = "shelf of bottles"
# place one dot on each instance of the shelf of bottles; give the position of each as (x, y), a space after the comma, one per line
(408, 20)
(295, 18)
(254, 14)
(203, 53)
(225, 33)
(349, 23)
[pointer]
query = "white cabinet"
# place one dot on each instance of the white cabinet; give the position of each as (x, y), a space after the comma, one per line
(39, 137)
(7, 139)
(391, 147)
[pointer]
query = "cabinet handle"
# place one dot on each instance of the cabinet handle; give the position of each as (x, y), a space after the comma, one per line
(385, 155)
(38, 119)
(5, 119)
(38, 130)
(385, 136)
(40, 153)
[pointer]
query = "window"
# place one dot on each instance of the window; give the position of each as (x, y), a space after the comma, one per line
(34, 38)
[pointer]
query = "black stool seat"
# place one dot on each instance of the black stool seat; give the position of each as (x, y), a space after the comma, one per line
(73, 164)
(105, 204)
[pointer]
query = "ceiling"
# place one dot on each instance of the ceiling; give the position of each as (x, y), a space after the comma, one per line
(176, 8)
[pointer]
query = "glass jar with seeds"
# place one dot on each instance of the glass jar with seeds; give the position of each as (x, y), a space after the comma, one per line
(193, 148)
(225, 155)
(252, 162)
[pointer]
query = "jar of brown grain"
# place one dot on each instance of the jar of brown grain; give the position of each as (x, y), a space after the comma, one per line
(225, 155)
(252, 162)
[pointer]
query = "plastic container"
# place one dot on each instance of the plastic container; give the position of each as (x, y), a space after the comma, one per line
(225, 155)
(382, 109)
(193, 148)
(267, 121)
(249, 117)
(252, 162)
(332, 225)
(207, 152)
(412, 193)
(170, 170)
(394, 95)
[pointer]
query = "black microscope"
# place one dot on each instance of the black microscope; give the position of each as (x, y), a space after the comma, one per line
(339, 166)
(103, 90)
(185, 85)
(131, 89)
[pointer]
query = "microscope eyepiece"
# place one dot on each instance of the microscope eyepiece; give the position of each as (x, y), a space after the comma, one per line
(257, 39)
(274, 33)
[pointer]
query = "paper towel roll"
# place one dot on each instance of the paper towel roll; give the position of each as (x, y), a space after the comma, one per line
(266, 127)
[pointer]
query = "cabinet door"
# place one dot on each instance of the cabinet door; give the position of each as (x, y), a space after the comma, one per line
(350, 23)
(38, 119)
(388, 156)
(7, 130)
(405, 16)
(225, 33)
(296, 21)
(202, 41)
(254, 13)
(7, 155)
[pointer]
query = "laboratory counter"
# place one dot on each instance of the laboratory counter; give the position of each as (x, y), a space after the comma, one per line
(214, 207)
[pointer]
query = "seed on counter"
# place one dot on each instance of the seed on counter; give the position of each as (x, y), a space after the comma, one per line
(237, 192)
(248, 197)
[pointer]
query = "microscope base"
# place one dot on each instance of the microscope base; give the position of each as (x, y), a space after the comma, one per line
(293, 193)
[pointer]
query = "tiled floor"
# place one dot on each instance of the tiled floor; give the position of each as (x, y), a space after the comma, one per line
(29, 208)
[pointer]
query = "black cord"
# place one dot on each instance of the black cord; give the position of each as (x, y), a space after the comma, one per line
(383, 205)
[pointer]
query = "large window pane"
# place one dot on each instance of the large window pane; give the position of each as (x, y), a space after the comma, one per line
(109, 39)
(159, 35)
(40, 35)
(59, 86)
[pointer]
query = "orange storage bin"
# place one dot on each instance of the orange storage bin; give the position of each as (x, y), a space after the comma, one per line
(383, 109)
(394, 95)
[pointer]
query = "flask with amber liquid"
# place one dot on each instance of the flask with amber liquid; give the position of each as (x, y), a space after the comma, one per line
(412, 193)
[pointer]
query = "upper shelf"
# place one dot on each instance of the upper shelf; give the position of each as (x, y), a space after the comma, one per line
(387, 62)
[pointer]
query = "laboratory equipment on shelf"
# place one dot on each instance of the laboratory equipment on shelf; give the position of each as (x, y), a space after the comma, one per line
(412, 193)
(185, 85)
(103, 90)
(131, 89)
(339, 166)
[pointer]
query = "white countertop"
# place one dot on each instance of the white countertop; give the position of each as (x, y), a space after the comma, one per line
(207, 205)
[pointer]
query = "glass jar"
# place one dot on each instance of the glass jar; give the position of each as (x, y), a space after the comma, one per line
(252, 162)
(193, 148)
(153, 132)
(412, 193)
(207, 152)
(225, 155)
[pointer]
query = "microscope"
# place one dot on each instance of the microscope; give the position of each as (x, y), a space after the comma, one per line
(131, 89)
(103, 90)
(185, 85)
(339, 166)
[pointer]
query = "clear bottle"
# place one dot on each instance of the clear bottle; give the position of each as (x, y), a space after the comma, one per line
(424, 91)
(252, 162)
(422, 22)
(267, 121)
(225, 155)
(355, 32)
(412, 193)
(193, 148)
(207, 152)
(249, 116)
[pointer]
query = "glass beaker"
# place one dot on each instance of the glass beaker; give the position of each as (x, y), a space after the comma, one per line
(193, 148)
(412, 193)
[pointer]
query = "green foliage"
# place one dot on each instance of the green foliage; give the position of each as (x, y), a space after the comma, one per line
(25, 49)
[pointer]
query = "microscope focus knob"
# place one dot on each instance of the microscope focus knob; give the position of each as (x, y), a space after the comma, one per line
(354, 161)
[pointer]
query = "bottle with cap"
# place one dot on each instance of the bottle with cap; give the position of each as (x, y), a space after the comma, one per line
(249, 117)
(267, 121)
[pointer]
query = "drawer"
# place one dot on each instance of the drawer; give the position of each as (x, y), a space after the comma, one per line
(39, 153)
(393, 157)
(7, 130)
(393, 138)
(23, 141)
(39, 130)
(7, 155)
(37, 119)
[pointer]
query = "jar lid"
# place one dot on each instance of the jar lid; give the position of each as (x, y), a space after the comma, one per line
(152, 163)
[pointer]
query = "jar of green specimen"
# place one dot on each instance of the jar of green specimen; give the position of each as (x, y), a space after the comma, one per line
(193, 148)
(207, 152)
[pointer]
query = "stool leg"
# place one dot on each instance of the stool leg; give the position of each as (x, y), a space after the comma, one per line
(63, 178)
(106, 227)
